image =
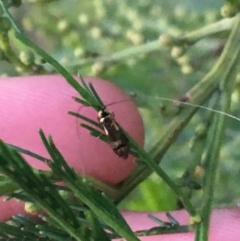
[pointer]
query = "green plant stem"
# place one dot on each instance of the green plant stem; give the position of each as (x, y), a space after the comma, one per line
(189, 38)
(197, 95)
(159, 171)
(206, 31)
(232, 53)
(197, 149)
(121, 55)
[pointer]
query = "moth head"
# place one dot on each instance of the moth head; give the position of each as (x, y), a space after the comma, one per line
(103, 113)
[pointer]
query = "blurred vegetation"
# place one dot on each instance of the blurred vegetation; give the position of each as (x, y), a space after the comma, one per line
(74, 31)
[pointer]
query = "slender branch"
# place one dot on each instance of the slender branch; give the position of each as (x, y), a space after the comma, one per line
(121, 55)
(206, 31)
(232, 53)
(196, 95)
(188, 38)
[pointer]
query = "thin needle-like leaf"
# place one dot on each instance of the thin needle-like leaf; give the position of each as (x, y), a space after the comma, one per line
(90, 121)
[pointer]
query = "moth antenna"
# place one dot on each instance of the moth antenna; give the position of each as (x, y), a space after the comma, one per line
(184, 101)
(201, 107)
(116, 102)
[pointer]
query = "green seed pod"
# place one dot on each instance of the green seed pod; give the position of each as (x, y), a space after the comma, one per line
(32, 208)
(63, 25)
(79, 52)
(228, 10)
(97, 68)
(199, 171)
(19, 69)
(194, 220)
(27, 57)
(166, 40)
(83, 19)
(187, 69)
(177, 52)
(64, 194)
(201, 130)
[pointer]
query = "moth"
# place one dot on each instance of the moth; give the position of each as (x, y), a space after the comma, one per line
(117, 139)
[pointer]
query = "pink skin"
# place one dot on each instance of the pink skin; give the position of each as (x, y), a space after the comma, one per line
(43, 101)
(33, 102)
(224, 225)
